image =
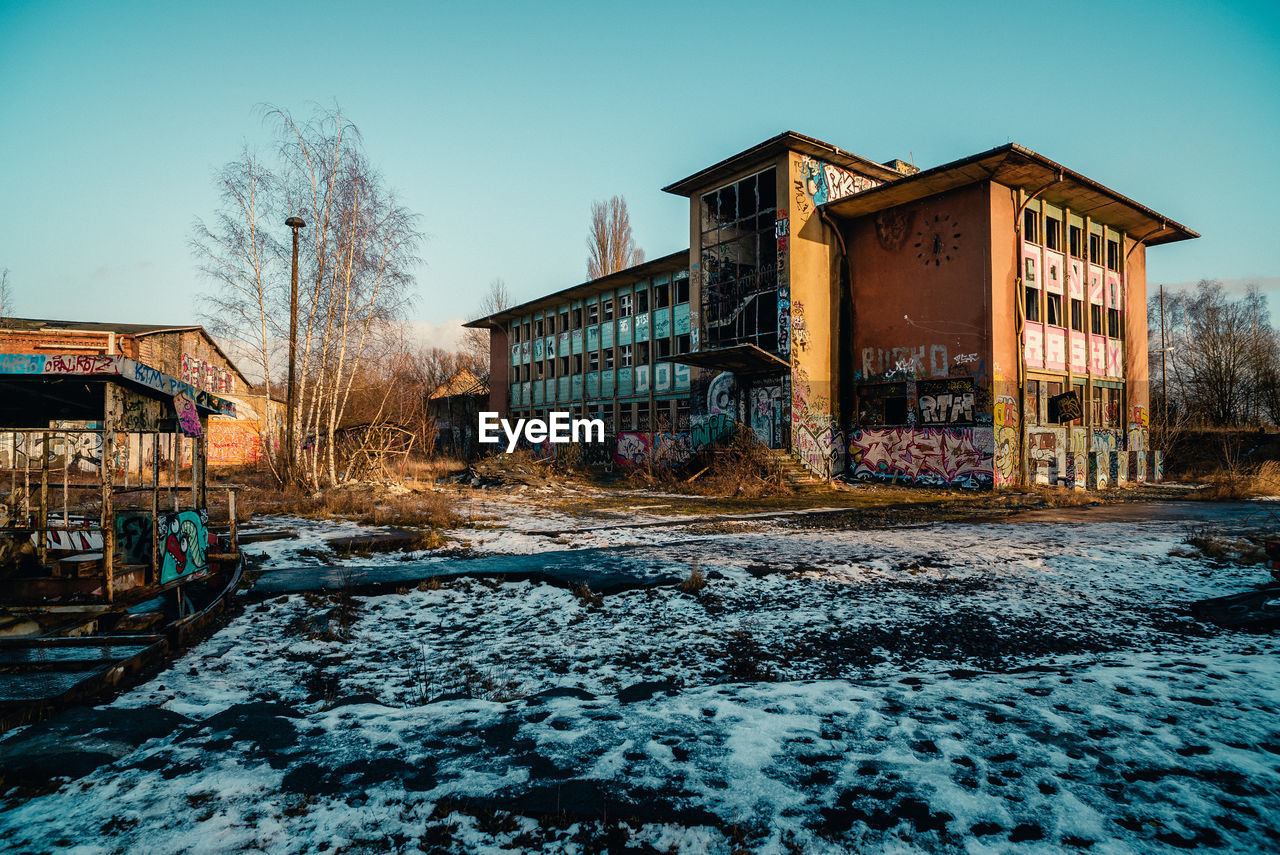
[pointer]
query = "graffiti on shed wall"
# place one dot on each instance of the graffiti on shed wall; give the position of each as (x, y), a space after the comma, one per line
(186, 540)
(234, 442)
(927, 456)
(79, 451)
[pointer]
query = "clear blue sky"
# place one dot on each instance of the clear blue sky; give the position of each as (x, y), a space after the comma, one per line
(500, 123)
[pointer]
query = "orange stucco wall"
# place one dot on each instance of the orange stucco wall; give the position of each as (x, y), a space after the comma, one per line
(917, 313)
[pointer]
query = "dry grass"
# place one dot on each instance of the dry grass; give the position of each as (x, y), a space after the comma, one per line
(1243, 482)
(696, 581)
(365, 504)
(1062, 497)
(744, 467)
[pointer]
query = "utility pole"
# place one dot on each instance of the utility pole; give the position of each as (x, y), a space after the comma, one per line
(294, 223)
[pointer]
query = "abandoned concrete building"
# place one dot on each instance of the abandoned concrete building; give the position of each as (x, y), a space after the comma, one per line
(980, 323)
(188, 353)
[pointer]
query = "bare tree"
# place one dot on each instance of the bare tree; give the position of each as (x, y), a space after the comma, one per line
(6, 295)
(361, 247)
(475, 342)
(610, 244)
(1222, 357)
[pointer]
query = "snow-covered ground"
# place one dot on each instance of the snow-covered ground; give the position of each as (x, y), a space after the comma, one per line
(1031, 685)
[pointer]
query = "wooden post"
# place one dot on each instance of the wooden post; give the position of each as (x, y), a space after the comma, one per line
(231, 517)
(155, 508)
(175, 445)
(108, 521)
(42, 537)
(197, 472)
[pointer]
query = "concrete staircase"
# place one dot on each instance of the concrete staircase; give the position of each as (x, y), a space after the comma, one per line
(797, 475)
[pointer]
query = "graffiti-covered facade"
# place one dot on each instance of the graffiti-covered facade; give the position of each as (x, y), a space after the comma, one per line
(186, 352)
(606, 349)
(979, 324)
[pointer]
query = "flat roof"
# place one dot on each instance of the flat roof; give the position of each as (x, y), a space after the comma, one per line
(672, 263)
(719, 173)
(1014, 165)
(46, 367)
(52, 325)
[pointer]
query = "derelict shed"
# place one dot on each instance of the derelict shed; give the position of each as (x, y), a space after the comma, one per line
(102, 478)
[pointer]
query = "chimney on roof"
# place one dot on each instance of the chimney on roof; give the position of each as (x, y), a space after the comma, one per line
(901, 167)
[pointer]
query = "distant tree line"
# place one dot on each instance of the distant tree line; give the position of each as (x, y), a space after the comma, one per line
(1218, 359)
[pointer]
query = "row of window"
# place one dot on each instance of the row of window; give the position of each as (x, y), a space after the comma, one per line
(1101, 411)
(1047, 232)
(628, 304)
(1054, 316)
(671, 415)
(619, 356)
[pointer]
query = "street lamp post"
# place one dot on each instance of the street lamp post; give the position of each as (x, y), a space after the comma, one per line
(294, 223)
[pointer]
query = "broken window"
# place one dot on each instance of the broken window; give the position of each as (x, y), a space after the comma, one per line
(664, 348)
(642, 353)
(593, 361)
(564, 366)
(682, 288)
(1052, 233)
(577, 318)
(1031, 402)
(593, 313)
(1033, 304)
(1031, 225)
(1095, 409)
(577, 363)
(1113, 323)
(1095, 319)
(624, 305)
(564, 321)
(1111, 407)
(682, 414)
(1078, 388)
(608, 359)
(643, 417)
(606, 309)
(661, 296)
(1054, 305)
(682, 344)
(1095, 249)
(740, 263)
(642, 301)
(1113, 255)
(537, 328)
(882, 404)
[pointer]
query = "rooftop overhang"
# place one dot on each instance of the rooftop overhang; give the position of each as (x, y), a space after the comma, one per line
(741, 359)
(727, 169)
(673, 263)
(1013, 165)
(52, 368)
